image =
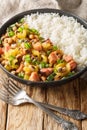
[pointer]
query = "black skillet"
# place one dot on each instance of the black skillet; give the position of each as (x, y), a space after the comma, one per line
(50, 83)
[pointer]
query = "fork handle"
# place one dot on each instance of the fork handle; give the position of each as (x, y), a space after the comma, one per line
(65, 124)
(75, 114)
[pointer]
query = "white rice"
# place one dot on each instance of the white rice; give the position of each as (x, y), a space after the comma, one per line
(65, 32)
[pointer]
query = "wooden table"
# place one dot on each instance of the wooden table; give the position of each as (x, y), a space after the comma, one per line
(72, 95)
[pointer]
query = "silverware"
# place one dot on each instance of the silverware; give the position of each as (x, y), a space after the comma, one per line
(14, 94)
(75, 114)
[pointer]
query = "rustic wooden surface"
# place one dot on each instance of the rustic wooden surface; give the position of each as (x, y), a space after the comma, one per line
(72, 95)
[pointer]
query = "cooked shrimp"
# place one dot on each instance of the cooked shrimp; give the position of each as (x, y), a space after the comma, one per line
(46, 71)
(7, 47)
(34, 77)
(37, 46)
(67, 58)
(52, 57)
(72, 64)
(1, 51)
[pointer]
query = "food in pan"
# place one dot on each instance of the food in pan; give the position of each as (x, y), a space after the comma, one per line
(44, 47)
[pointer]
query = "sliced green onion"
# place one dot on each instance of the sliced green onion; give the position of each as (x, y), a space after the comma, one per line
(20, 29)
(43, 65)
(35, 62)
(55, 48)
(71, 73)
(41, 38)
(60, 61)
(48, 52)
(34, 31)
(21, 20)
(27, 45)
(27, 58)
(21, 75)
(51, 77)
(11, 58)
(11, 33)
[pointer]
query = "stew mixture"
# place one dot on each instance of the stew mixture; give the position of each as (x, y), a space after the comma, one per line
(27, 55)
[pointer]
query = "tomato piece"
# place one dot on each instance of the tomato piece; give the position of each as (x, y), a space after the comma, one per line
(1, 51)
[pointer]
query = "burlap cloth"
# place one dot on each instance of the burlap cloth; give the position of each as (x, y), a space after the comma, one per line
(9, 8)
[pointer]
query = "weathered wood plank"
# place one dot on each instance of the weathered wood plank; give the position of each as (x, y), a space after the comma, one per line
(3, 108)
(83, 90)
(64, 96)
(26, 117)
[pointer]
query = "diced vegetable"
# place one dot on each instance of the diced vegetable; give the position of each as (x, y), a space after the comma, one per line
(22, 35)
(20, 29)
(48, 52)
(43, 65)
(35, 62)
(34, 31)
(60, 61)
(27, 58)
(36, 53)
(51, 77)
(11, 58)
(46, 45)
(71, 73)
(21, 20)
(11, 33)
(21, 75)
(55, 48)
(27, 45)
(44, 58)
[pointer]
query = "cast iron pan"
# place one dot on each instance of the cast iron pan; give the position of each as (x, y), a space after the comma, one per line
(50, 83)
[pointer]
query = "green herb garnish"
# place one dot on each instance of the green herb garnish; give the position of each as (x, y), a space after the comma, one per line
(20, 29)
(11, 33)
(41, 39)
(71, 73)
(43, 65)
(51, 77)
(55, 48)
(35, 62)
(27, 58)
(21, 75)
(27, 45)
(21, 20)
(60, 61)
(11, 58)
(34, 31)
(48, 52)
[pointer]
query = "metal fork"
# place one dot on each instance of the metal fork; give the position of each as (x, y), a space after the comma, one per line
(14, 95)
(75, 114)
